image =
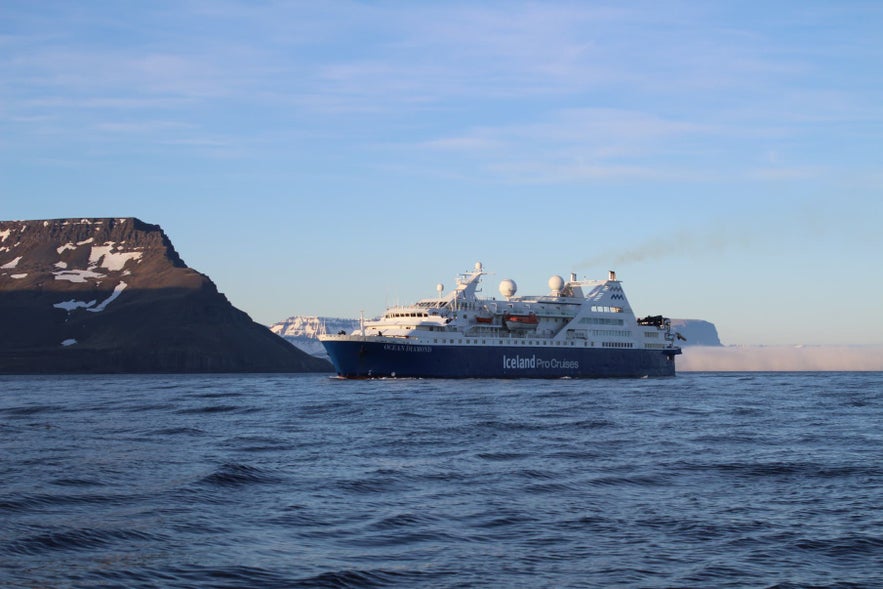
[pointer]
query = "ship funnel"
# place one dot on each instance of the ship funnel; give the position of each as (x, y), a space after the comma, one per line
(573, 276)
(611, 275)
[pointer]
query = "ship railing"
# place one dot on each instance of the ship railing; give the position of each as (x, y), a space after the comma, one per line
(577, 334)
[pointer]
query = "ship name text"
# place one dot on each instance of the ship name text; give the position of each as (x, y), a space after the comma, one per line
(406, 348)
(519, 362)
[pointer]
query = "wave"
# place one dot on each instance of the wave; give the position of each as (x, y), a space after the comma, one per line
(76, 539)
(236, 475)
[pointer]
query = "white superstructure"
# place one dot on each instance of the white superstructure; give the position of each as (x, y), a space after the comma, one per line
(581, 313)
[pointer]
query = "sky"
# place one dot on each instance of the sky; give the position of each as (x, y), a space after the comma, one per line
(333, 158)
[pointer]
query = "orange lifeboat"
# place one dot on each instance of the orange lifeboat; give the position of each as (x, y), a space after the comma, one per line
(521, 321)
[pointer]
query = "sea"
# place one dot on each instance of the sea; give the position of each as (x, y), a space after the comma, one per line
(698, 480)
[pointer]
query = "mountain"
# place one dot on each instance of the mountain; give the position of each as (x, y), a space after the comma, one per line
(697, 331)
(113, 295)
(303, 331)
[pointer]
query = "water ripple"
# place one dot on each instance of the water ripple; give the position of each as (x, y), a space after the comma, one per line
(703, 480)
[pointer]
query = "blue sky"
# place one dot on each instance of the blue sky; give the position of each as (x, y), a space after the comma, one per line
(726, 159)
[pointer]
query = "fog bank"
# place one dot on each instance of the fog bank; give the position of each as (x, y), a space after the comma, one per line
(780, 358)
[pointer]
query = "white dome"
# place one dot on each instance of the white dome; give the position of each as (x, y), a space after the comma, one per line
(556, 283)
(508, 288)
(440, 287)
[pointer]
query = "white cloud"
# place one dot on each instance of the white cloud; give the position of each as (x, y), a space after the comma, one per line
(578, 144)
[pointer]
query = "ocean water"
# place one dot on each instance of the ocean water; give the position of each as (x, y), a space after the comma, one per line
(702, 480)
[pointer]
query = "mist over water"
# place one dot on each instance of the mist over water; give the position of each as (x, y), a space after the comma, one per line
(699, 480)
(781, 358)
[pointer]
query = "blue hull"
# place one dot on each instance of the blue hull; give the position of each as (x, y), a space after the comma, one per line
(380, 357)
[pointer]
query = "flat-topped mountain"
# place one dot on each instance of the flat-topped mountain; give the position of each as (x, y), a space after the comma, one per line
(113, 295)
(697, 332)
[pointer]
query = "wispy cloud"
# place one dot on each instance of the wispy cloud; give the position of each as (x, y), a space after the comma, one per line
(141, 127)
(532, 92)
(578, 144)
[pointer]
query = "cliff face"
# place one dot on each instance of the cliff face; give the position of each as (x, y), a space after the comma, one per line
(113, 295)
(697, 331)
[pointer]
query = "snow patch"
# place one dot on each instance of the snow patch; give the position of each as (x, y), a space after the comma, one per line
(77, 275)
(18, 276)
(10, 265)
(85, 241)
(69, 342)
(5, 234)
(90, 306)
(61, 265)
(117, 291)
(67, 246)
(72, 304)
(113, 261)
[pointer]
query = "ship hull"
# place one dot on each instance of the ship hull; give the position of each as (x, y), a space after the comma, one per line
(377, 357)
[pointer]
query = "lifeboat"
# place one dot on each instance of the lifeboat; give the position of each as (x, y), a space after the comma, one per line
(516, 322)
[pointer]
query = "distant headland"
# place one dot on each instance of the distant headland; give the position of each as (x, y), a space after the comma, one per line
(111, 295)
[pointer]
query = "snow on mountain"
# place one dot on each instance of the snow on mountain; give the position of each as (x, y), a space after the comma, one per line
(303, 331)
(697, 332)
(117, 297)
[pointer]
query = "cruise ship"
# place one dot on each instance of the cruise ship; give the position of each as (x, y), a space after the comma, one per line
(580, 329)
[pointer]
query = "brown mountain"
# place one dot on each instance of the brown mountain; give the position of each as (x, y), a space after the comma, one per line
(113, 295)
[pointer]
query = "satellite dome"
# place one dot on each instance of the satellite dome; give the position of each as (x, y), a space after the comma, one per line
(440, 287)
(508, 288)
(556, 283)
